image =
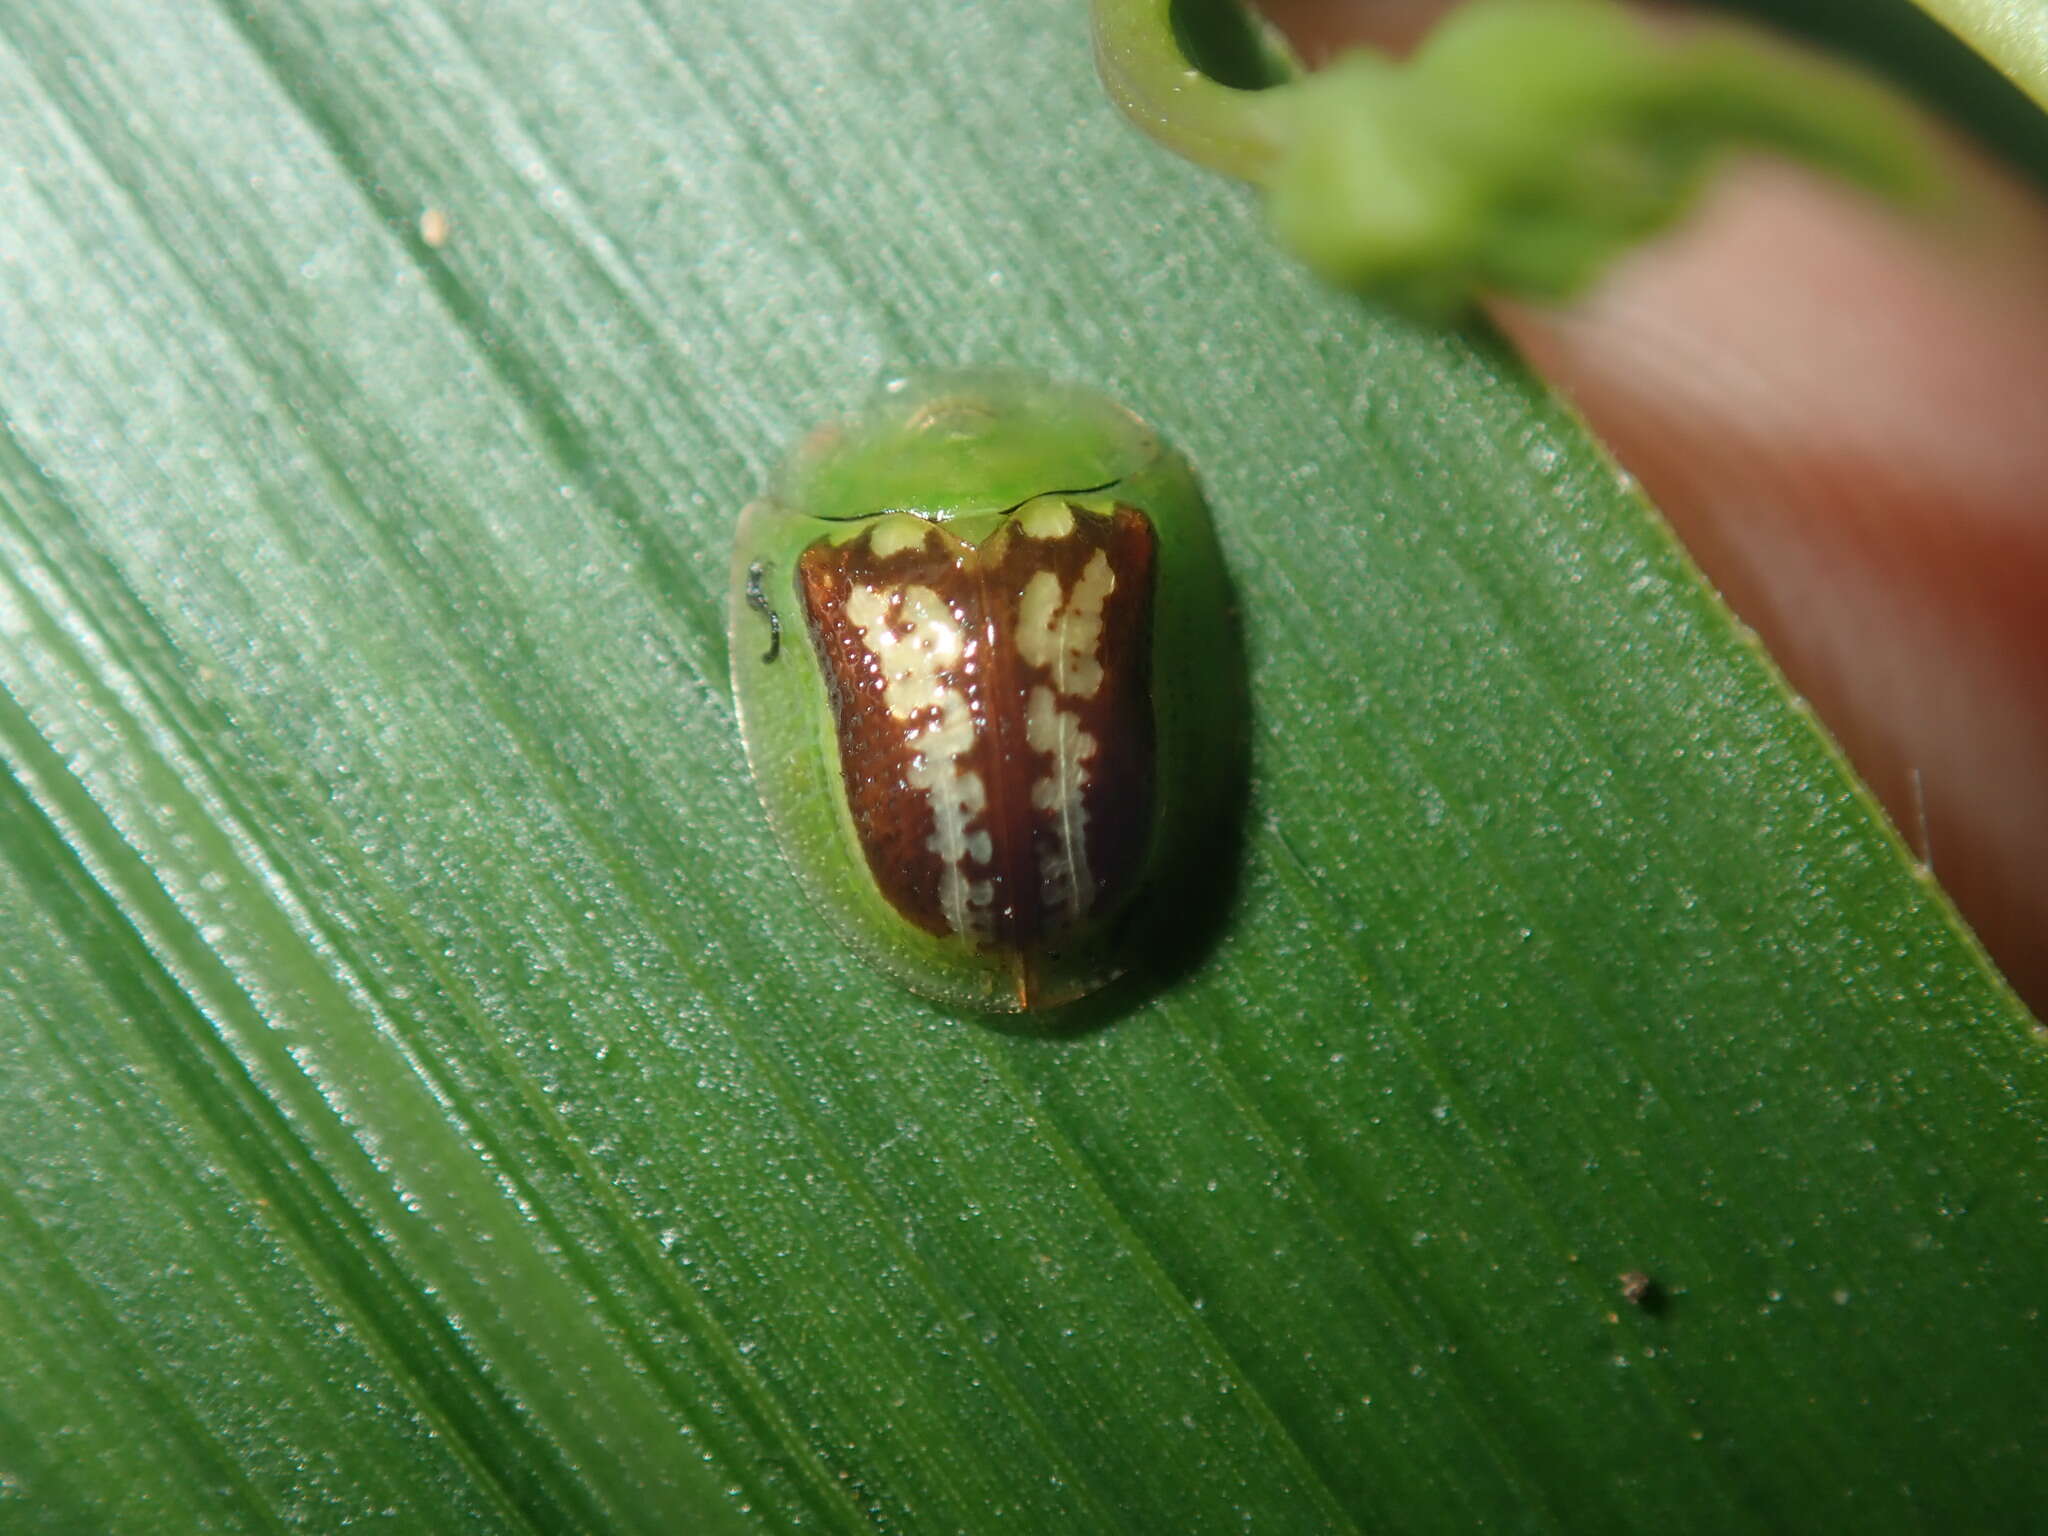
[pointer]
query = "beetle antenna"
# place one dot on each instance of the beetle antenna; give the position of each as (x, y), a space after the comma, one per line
(757, 599)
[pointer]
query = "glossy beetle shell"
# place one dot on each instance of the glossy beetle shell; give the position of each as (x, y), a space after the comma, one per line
(981, 657)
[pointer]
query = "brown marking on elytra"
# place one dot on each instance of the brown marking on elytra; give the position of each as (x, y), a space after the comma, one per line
(993, 710)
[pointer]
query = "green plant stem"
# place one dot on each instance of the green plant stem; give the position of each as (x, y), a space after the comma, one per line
(1524, 146)
(1150, 78)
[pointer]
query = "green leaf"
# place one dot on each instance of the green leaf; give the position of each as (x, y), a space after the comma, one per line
(427, 1099)
(2007, 32)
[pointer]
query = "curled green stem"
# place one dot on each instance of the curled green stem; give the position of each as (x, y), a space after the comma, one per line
(1522, 148)
(1139, 55)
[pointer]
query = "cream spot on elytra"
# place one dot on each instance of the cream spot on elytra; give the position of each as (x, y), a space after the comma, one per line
(917, 650)
(1066, 635)
(1046, 518)
(1065, 884)
(898, 532)
(1038, 612)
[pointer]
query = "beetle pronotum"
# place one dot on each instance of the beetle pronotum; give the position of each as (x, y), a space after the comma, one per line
(980, 648)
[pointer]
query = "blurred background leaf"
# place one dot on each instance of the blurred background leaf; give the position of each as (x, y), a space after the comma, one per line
(426, 1098)
(2009, 33)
